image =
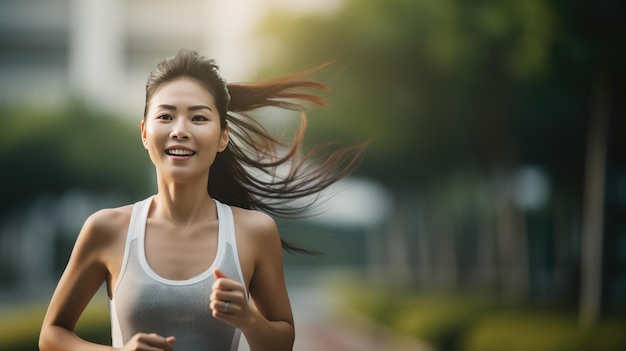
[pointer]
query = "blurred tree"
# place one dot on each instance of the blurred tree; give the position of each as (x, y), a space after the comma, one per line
(45, 157)
(593, 39)
(51, 152)
(432, 83)
(448, 87)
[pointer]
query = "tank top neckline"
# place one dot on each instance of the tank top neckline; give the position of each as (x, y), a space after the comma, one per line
(141, 249)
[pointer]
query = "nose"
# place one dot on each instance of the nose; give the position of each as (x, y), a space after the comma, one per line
(180, 129)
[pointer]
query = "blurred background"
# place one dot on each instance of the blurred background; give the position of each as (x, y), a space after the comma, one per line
(489, 212)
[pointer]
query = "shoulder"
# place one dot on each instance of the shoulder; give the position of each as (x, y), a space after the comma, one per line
(254, 220)
(105, 228)
(256, 228)
(109, 219)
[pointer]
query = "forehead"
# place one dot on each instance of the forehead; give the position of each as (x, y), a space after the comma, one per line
(182, 91)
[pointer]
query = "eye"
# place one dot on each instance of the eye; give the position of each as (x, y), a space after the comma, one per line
(164, 117)
(199, 118)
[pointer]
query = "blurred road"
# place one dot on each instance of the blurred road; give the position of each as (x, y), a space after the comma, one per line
(321, 326)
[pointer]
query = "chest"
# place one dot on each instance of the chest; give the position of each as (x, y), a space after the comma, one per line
(180, 253)
(145, 301)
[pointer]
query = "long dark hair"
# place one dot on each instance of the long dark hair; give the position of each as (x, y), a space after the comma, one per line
(258, 170)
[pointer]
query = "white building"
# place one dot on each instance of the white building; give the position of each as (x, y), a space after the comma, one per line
(102, 50)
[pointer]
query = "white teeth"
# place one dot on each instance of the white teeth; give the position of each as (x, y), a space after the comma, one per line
(180, 152)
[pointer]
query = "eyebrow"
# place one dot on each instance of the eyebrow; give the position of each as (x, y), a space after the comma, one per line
(191, 108)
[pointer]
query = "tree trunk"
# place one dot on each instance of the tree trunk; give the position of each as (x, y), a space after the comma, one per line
(398, 267)
(425, 247)
(593, 205)
(511, 241)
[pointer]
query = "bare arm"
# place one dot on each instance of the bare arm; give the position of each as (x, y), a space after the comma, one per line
(269, 325)
(83, 276)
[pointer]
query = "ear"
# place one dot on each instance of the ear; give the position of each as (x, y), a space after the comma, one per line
(224, 139)
(143, 134)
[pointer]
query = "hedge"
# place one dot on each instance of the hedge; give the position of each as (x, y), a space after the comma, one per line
(462, 323)
(20, 325)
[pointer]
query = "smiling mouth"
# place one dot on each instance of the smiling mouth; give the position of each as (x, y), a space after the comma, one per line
(180, 152)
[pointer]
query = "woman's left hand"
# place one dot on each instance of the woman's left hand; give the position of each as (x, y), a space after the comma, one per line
(229, 302)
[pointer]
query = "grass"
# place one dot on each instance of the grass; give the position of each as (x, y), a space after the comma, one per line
(541, 330)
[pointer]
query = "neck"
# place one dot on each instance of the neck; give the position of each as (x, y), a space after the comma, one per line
(183, 202)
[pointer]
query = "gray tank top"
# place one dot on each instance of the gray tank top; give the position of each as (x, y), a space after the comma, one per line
(145, 302)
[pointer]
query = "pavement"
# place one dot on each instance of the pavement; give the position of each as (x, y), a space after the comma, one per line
(322, 324)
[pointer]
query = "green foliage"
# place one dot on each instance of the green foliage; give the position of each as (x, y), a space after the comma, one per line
(52, 151)
(451, 88)
(373, 302)
(439, 320)
(522, 331)
(431, 83)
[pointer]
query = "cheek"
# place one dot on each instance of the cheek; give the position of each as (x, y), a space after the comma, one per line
(153, 139)
(153, 132)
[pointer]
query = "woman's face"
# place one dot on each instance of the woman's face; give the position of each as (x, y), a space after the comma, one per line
(182, 130)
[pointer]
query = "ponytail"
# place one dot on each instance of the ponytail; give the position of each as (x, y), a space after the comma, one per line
(258, 170)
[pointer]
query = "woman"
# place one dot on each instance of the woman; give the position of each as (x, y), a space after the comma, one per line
(180, 266)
